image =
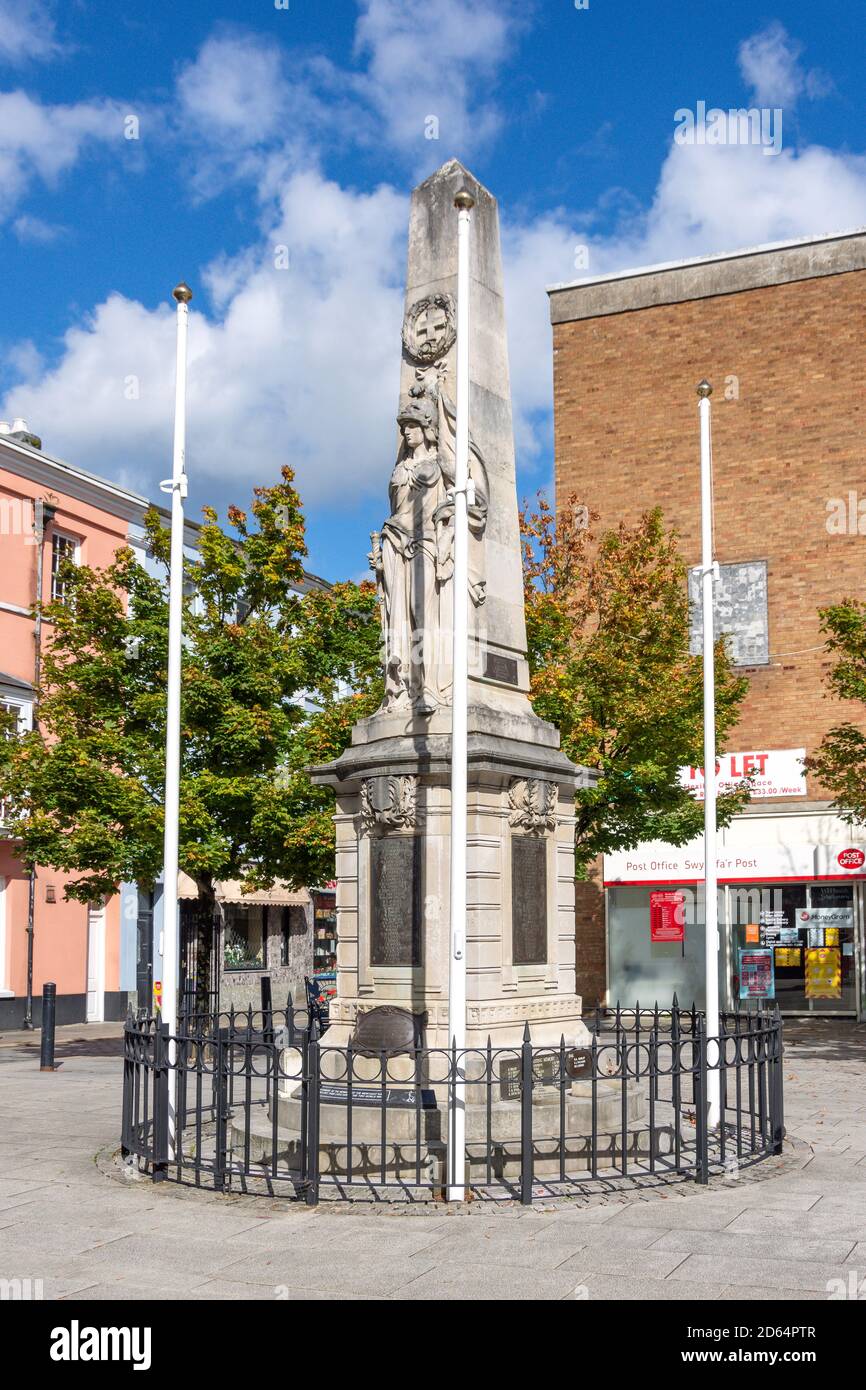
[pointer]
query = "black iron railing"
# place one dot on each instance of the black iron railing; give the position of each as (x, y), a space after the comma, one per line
(257, 1101)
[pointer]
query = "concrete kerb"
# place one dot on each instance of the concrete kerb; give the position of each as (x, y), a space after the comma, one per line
(796, 1157)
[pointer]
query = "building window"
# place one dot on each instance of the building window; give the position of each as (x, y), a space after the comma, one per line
(739, 612)
(245, 932)
(20, 713)
(18, 719)
(63, 548)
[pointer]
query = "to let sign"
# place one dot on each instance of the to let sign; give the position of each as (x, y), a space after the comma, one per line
(772, 772)
(667, 916)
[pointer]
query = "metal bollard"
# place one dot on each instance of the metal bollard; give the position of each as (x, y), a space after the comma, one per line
(49, 1016)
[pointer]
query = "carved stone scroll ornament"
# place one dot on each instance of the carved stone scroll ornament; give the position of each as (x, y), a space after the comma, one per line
(389, 803)
(532, 804)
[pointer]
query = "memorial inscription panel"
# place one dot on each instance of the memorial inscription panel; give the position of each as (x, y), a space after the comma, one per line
(395, 900)
(500, 668)
(528, 900)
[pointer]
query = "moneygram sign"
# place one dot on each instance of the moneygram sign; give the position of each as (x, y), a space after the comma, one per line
(771, 772)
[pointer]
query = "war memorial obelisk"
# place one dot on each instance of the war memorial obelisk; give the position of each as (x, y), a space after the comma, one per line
(392, 784)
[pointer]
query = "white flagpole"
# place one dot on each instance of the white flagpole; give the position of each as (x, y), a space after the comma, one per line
(464, 203)
(711, 897)
(177, 486)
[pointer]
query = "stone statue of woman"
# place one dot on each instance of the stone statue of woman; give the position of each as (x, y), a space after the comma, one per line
(413, 556)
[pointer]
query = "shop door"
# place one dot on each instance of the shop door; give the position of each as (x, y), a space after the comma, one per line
(144, 957)
(95, 1009)
(199, 967)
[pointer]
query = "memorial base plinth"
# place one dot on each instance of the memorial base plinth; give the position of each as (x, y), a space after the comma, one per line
(404, 1157)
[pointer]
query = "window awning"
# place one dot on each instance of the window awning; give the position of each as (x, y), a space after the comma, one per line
(281, 895)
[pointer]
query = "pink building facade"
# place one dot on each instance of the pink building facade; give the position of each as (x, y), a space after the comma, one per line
(87, 519)
(107, 957)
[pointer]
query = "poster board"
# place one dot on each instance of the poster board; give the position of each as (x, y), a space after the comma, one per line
(757, 973)
(824, 972)
(667, 916)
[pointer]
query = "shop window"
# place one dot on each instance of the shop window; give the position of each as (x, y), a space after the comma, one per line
(739, 612)
(324, 933)
(244, 926)
(805, 934)
(642, 968)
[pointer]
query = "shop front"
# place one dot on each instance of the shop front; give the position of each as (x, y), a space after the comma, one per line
(791, 916)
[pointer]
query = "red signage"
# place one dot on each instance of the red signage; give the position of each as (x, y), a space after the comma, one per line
(851, 859)
(667, 916)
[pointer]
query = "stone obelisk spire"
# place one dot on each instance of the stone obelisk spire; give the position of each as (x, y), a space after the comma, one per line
(429, 346)
(393, 783)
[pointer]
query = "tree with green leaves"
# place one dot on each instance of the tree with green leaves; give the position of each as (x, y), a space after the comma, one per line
(86, 787)
(607, 622)
(840, 761)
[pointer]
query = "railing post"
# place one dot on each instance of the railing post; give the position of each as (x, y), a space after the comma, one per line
(779, 1088)
(49, 1017)
(221, 1077)
(160, 1103)
(700, 1086)
(267, 1027)
(312, 1163)
(526, 1174)
(126, 1115)
(267, 1005)
(677, 1082)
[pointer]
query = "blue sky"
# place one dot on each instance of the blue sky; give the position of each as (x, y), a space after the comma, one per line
(260, 128)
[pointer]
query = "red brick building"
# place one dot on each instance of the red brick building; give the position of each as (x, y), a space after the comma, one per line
(778, 330)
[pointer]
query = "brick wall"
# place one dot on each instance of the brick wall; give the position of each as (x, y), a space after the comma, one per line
(591, 942)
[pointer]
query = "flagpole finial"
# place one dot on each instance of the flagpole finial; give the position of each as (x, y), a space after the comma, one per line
(182, 293)
(464, 201)
(705, 390)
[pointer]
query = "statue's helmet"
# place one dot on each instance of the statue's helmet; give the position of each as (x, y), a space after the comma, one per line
(418, 410)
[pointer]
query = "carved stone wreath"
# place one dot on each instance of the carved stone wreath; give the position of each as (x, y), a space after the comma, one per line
(532, 803)
(430, 328)
(388, 803)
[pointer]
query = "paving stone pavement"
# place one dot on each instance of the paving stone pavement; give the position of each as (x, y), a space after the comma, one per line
(89, 1235)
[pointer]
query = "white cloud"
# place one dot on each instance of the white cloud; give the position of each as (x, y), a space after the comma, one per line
(233, 90)
(43, 142)
(437, 60)
(301, 366)
(33, 229)
(737, 198)
(24, 360)
(26, 31)
(255, 111)
(770, 64)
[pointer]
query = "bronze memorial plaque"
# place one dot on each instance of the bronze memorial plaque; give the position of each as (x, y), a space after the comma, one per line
(387, 1029)
(500, 668)
(395, 900)
(528, 900)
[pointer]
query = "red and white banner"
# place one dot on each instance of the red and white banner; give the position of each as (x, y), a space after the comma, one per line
(746, 862)
(775, 772)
